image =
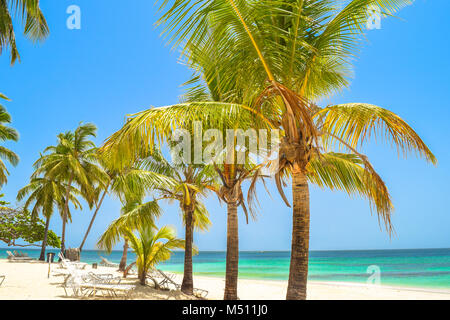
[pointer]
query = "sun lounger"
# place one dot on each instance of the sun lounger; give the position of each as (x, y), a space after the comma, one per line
(108, 289)
(102, 278)
(168, 281)
(12, 257)
(106, 263)
(2, 278)
(65, 262)
(88, 285)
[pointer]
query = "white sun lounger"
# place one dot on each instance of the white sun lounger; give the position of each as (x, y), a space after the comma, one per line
(167, 281)
(65, 262)
(2, 278)
(89, 284)
(107, 289)
(12, 257)
(106, 263)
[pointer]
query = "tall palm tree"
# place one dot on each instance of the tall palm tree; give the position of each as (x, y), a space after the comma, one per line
(275, 59)
(73, 161)
(151, 246)
(98, 203)
(179, 182)
(29, 12)
(186, 184)
(46, 195)
(6, 133)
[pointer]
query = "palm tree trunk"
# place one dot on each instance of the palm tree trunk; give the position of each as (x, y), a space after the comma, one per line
(142, 277)
(187, 286)
(44, 241)
(93, 218)
(298, 272)
(64, 218)
(232, 264)
(123, 260)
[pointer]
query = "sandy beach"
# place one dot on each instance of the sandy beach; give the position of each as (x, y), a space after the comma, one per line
(29, 280)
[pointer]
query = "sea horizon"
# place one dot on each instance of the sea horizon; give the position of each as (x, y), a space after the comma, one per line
(427, 268)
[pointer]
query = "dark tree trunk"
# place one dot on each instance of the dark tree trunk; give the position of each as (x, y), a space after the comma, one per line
(142, 277)
(44, 241)
(123, 260)
(298, 272)
(92, 220)
(64, 218)
(187, 286)
(232, 263)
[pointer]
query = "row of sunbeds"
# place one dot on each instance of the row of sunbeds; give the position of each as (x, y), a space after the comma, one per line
(160, 279)
(88, 284)
(16, 256)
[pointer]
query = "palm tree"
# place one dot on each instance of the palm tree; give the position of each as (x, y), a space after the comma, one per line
(46, 195)
(179, 182)
(146, 245)
(6, 133)
(28, 11)
(281, 56)
(186, 184)
(131, 181)
(130, 185)
(98, 204)
(231, 175)
(135, 206)
(73, 161)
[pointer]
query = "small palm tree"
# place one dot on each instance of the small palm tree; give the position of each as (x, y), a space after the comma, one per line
(150, 245)
(27, 11)
(6, 133)
(73, 161)
(46, 196)
(136, 207)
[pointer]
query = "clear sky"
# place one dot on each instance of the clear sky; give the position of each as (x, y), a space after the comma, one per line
(117, 64)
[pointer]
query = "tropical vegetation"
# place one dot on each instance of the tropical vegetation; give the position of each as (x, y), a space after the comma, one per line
(6, 134)
(45, 196)
(73, 161)
(151, 246)
(19, 224)
(266, 65)
(274, 60)
(29, 13)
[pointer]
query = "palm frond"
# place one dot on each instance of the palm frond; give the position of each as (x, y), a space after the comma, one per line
(350, 173)
(356, 123)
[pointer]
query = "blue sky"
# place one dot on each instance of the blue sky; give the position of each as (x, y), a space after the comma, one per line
(117, 64)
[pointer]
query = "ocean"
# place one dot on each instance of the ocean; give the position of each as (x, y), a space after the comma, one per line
(419, 268)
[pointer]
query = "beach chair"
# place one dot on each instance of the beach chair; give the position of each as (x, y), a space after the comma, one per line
(102, 278)
(75, 278)
(168, 281)
(65, 262)
(88, 285)
(108, 289)
(12, 257)
(2, 278)
(106, 263)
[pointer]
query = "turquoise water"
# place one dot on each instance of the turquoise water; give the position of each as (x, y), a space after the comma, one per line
(426, 268)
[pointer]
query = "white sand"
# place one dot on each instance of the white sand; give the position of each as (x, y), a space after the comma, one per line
(28, 280)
